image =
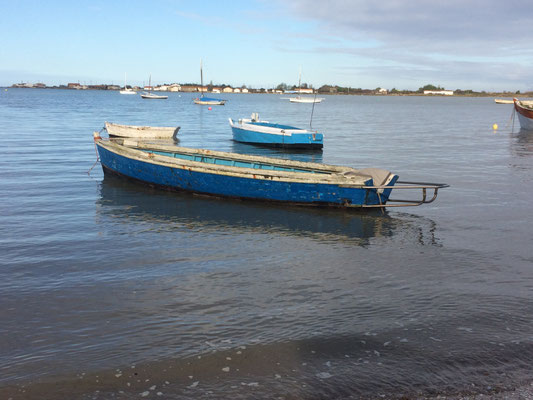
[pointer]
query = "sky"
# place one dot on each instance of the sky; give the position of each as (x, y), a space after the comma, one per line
(402, 44)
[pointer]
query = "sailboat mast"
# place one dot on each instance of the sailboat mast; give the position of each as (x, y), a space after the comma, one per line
(201, 79)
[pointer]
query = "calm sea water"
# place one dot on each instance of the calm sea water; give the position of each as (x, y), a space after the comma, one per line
(109, 289)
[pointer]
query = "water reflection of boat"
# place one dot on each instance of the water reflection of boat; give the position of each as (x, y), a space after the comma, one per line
(122, 200)
(523, 143)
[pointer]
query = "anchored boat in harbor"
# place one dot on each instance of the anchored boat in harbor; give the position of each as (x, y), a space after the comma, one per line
(144, 132)
(254, 131)
(248, 177)
(525, 114)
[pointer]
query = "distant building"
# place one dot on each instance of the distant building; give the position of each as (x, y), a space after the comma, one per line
(227, 89)
(74, 86)
(189, 88)
(175, 87)
(306, 90)
(244, 90)
(215, 90)
(439, 92)
(236, 90)
(382, 91)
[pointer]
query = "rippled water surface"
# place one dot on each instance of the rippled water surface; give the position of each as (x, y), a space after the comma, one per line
(109, 289)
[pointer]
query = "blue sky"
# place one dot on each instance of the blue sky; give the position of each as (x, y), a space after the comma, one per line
(402, 44)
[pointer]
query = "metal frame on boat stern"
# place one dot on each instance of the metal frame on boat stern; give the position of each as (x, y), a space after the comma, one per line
(424, 186)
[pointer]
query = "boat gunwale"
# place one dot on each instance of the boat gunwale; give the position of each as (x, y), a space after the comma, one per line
(141, 127)
(523, 110)
(332, 175)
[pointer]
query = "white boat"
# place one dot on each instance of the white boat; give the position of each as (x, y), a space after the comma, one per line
(503, 101)
(144, 132)
(126, 89)
(149, 94)
(304, 99)
(525, 114)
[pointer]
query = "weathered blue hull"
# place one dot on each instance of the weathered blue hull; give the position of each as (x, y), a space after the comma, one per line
(258, 187)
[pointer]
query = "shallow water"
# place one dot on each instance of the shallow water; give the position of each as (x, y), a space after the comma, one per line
(109, 289)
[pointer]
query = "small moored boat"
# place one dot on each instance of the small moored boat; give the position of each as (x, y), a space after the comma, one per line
(149, 95)
(253, 130)
(143, 132)
(206, 101)
(248, 177)
(303, 99)
(146, 95)
(209, 101)
(525, 114)
(126, 89)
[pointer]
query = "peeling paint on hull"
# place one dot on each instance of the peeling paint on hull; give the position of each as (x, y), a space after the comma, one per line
(220, 185)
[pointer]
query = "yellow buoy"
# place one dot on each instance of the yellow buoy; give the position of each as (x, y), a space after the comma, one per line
(495, 126)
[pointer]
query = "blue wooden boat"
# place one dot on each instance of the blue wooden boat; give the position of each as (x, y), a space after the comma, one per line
(254, 131)
(250, 177)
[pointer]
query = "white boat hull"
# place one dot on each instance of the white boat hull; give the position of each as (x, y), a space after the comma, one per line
(153, 96)
(305, 100)
(144, 132)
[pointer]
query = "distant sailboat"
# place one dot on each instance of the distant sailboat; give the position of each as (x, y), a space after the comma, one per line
(149, 94)
(126, 90)
(303, 99)
(206, 101)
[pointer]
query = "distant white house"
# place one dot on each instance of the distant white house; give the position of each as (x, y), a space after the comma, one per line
(382, 91)
(175, 87)
(244, 90)
(439, 92)
(236, 90)
(227, 89)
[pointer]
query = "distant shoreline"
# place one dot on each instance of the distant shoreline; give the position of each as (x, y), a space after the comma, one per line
(263, 91)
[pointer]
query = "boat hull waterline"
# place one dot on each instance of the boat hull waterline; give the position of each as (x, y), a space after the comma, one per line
(525, 114)
(250, 177)
(264, 133)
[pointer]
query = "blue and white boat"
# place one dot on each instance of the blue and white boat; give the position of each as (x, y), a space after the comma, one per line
(254, 131)
(206, 101)
(248, 177)
(209, 101)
